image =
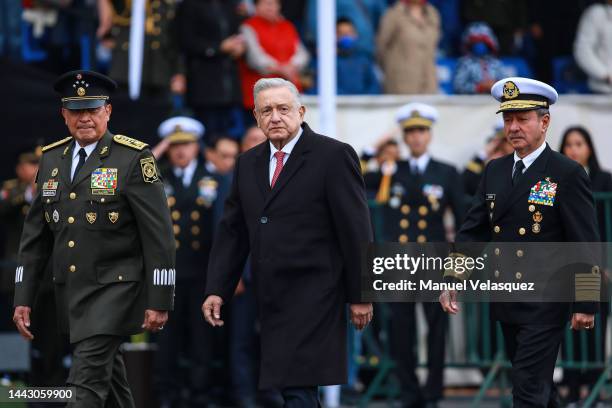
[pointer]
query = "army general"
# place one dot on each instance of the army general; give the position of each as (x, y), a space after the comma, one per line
(100, 212)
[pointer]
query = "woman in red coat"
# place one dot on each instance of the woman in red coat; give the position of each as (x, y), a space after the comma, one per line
(274, 49)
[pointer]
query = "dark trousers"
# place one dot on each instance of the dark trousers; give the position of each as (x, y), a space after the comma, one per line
(301, 397)
(98, 374)
(532, 350)
(188, 338)
(403, 341)
(243, 345)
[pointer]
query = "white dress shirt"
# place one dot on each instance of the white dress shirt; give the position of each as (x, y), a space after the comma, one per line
(186, 174)
(75, 155)
(530, 158)
(287, 149)
(420, 162)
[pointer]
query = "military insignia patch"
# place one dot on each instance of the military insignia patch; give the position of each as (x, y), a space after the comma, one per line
(55, 216)
(510, 90)
(47, 217)
(207, 188)
(104, 181)
(543, 192)
(91, 217)
(433, 190)
(54, 172)
(104, 151)
(113, 216)
(49, 188)
(149, 170)
(395, 202)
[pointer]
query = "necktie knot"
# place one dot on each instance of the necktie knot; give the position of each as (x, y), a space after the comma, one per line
(82, 153)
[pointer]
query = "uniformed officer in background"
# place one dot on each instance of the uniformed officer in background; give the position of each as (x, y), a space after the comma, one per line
(532, 195)
(416, 195)
(100, 212)
(16, 195)
(163, 69)
(192, 191)
(495, 147)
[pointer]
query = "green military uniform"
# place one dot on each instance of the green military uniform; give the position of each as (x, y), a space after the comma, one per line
(109, 232)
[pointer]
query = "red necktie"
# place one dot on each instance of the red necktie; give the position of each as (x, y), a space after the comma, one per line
(279, 167)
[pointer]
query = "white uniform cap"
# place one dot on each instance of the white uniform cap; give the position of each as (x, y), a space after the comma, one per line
(416, 115)
(521, 94)
(181, 129)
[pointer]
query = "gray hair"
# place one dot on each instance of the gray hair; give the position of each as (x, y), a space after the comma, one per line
(269, 83)
(541, 112)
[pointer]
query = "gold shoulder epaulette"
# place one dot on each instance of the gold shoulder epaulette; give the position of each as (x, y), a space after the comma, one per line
(129, 142)
(58, 143)
(474, 167)
(8, 184)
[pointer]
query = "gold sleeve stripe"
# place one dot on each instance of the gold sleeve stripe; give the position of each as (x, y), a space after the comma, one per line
(587, 296)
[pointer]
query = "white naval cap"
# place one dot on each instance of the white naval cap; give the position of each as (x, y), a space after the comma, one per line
(416, 115)
(521, 94)
(181, 129)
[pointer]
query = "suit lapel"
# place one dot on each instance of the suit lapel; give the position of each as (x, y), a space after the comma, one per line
(532, 175)
(66, 165)
(262, 168)
(94, 160)
(294, 162)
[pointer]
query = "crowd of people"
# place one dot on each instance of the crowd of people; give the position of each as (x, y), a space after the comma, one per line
(204, 56)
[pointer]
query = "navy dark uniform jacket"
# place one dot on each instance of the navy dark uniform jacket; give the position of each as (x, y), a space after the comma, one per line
(415, 210)
(571, 218)
(110, 235)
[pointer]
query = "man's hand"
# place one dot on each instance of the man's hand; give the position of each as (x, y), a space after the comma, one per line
(583, 321)
(448, 300)
(21, 318)
(154, 320)
(212, 310)
(361, 314)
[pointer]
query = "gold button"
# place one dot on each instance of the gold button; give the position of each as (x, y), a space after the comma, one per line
(195, 245)
(492, 204)
(102, 199)
(522, 231)
(48, 200)
(195, 230)
(177, 229)
(72, 268)
(404, 223)
(405, 209)
(518, 275)
(120, 277)
(595, 270)
(497, 251)
(195, 215)
(519, 253)
(421, 239)
(176, 215)
(496, 273)
(72, 196)
(423, 210)
(531, 208)
(171, 201)
(422, 224)
(200, 201)
(70, 220)
(497, 229)
(403, 238)
(71, 244)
